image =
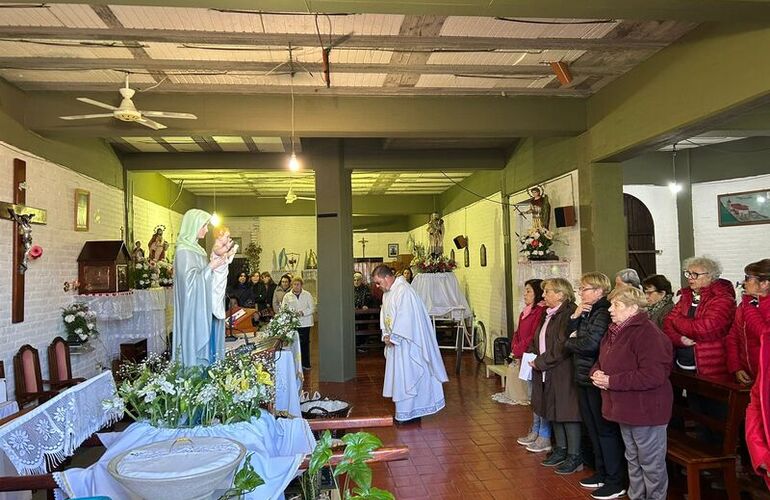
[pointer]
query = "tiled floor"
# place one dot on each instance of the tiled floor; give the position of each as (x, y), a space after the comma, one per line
(468, 450)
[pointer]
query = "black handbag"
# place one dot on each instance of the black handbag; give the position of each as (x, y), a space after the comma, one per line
(502, 348)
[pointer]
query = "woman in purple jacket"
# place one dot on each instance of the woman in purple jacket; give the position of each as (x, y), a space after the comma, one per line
(632, 370)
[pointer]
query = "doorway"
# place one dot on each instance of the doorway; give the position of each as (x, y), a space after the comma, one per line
(641, 236)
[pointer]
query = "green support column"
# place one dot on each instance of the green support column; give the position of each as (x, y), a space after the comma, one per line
(601, 219)
(334, 229)
(684, 211)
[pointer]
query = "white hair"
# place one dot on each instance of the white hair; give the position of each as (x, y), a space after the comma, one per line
(629, 277)
(712, 267)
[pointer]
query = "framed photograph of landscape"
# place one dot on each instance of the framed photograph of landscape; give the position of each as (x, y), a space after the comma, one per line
(82, 209)
(745, 208)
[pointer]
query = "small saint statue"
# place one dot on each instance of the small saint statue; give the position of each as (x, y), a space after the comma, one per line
(540, 208)
(137, 254)
(155, 246)
(435, 235)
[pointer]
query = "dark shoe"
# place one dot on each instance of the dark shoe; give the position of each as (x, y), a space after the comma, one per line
(410, 421)
(557, 456)
(595, 481)
(608, 492)
(573, 463)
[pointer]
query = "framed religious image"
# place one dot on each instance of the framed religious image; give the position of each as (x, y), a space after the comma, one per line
(82, 209)
(741, 209)
(392, 249)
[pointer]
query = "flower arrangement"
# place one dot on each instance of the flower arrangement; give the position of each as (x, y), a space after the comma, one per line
(536, 244)
(165, 273)
(166, 394)
(79, 323)
(145, 274)
(431, 263)
(284, 326)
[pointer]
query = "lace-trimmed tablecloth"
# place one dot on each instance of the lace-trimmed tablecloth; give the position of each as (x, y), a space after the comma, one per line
(51, 432)
(110, 306)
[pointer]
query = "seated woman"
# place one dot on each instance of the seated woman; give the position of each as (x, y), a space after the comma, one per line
(743, 341)
(407, 274)
(660, 300)
(554, 394)
(362, 295)
(628, 277)
(755, 315)
(263, 292)
(700, 321)
(632, 371)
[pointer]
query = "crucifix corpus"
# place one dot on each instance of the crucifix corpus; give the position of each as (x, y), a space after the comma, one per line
(22, 217)
(363, 242)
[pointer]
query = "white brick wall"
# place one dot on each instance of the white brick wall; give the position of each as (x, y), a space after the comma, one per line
(484, 287)
(733, 247)
(51, 187)
(148, 215)
(661, 203)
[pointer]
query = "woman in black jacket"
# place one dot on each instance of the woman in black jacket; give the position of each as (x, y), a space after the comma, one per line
(588, 324)
(263, 292)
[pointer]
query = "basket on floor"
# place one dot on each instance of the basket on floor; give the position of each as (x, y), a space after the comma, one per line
(317, 407)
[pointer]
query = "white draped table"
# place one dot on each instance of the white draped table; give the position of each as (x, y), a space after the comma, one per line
(125, 317)
(441, 294)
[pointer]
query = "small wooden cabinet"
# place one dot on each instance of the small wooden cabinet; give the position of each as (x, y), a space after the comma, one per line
(103, 267)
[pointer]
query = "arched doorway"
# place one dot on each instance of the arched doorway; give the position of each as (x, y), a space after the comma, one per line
(641, 236)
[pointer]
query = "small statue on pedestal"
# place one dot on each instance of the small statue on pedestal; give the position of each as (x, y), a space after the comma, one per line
(540, 208)
(435, 235)
(137, 253)
(155, 246)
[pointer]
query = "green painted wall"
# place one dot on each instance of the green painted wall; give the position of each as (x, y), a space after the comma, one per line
(91, 157)
(158, 189)
(470, 190)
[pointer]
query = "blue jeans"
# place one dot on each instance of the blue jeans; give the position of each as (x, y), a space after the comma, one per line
(541, 426)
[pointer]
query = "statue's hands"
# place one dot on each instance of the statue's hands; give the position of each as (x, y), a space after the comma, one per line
(217, 262)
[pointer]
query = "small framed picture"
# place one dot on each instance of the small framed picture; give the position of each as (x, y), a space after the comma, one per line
(238, 240)
(392, 249)
(82, 209)
(741, 209)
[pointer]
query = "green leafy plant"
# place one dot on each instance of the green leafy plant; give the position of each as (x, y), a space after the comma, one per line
(245, 481)
(253, 252)
(358, 449)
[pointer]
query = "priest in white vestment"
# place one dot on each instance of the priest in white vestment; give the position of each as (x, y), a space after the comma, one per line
(414, 370)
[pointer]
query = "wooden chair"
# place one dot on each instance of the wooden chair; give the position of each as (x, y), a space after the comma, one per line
(60, 365)
(687, 450)
(28, 379)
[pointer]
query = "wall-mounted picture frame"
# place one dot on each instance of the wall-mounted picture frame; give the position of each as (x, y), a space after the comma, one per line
(744, 208)
(483, 255)
(392, 249)
(238, 240)
(82, 209)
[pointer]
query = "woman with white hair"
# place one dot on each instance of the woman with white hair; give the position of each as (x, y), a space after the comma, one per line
(628, 277)
(700, 321)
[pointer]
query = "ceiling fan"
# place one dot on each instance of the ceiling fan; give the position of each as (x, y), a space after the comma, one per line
(291, 197)
(127, 112)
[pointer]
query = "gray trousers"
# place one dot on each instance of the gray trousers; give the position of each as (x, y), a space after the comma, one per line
(646, 456)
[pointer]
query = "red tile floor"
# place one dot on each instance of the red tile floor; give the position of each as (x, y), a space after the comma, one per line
(468, 450)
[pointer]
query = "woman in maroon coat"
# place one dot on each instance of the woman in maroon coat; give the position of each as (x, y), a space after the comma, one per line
(632, 371)
(743, 341)
(755, 314)
(700, 321)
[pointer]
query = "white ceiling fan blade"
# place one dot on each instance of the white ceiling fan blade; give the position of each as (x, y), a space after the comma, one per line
(85, 117)
(305, 198)
(151, 124)
(169, 114)
(97, 103)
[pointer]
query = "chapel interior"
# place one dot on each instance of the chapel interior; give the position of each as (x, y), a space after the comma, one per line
(325, 135)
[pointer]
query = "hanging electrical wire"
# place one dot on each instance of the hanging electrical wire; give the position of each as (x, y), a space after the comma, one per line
(556, 23)
(275, 13)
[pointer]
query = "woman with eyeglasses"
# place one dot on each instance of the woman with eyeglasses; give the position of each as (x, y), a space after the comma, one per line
(754, 315)
(588, 325)
(743, 342)
(700, 321)
(660, 300)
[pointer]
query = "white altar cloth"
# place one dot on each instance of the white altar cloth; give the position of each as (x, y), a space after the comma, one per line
(130, 316)
(278, 447)
(441, 293)
(51, 432)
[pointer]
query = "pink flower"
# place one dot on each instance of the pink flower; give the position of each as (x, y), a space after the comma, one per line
(35, 251)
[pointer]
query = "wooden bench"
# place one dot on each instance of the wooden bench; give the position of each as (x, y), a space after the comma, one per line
(685, 449)
(367, 325)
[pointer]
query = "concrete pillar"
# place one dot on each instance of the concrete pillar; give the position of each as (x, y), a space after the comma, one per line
(334, 213)
(684, 212)
(602, 223)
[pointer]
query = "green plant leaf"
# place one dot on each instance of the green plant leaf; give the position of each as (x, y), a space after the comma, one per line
(321, 453)
(372, 494)
(357, 471)
(362, 440)
(247, 479)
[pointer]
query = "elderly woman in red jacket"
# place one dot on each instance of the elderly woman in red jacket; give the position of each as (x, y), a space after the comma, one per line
(700, 321)
(632, 371)
(744, 338)
(754, 313)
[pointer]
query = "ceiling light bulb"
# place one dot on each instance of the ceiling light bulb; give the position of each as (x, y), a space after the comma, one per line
(674, 187)
(215, 220)
(293, 163)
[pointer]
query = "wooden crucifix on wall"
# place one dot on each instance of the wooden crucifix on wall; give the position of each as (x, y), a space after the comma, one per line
(21, 216)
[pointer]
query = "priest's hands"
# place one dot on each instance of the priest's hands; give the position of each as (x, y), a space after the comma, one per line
(386, 339)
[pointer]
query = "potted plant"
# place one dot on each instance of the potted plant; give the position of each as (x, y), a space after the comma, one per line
(79, 323)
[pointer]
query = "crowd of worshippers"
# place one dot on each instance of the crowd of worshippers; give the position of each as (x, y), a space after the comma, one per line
(601, 366)
(259, 292)
(366, 295)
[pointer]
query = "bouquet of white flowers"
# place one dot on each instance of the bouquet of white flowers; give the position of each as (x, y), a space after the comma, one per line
(166, 394)
(283, 326)
(146, 275)
(79, 323)
(165, 273)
